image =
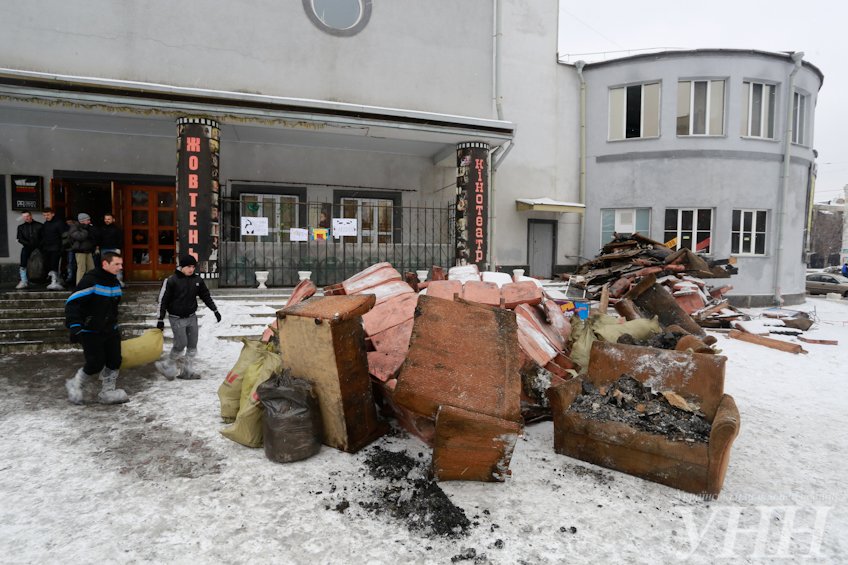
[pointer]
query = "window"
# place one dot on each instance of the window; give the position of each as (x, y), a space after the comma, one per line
(281, 211)
(339, 17)
(624, 221)
(374, 219)
(758, 117)
(799, 119)
(689, 227)
(748, 232)
(700, 107)
(634, 111)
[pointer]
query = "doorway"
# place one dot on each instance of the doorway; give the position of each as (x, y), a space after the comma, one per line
(150, 231)
(541, 247)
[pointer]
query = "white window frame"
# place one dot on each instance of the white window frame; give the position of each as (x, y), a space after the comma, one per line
(799, 118)
(623, 124)
(693, 231)
(619, 226)
(275, 233)
(708, 110)
(374, 204)
(753, 233)
(764, 116)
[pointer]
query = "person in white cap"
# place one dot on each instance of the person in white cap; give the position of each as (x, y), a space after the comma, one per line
(178, 299)
(83, 237)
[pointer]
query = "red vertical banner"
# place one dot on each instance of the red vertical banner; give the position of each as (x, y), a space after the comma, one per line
(198, 229)
(472, 204)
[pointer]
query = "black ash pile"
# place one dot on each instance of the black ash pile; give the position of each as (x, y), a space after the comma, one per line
(630, 402)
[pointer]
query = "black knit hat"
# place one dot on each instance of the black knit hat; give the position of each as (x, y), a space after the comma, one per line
(188, 260)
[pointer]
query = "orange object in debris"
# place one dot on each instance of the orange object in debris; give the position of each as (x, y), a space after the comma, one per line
(390, 313)
(472, 447)
(374, 275)
(524, 292)
(384, 365)
(444, 289)
(481, 292)
(533, 314)
(689, 300)
(461, 354)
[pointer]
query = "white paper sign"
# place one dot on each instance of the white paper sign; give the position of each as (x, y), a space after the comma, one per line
(344, 226)
(299, 234)
(254, 226)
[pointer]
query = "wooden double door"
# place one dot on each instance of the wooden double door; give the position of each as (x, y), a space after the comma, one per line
(150, 231)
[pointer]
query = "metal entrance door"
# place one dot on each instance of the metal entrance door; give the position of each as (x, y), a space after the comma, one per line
(541, 247)
(150, 231)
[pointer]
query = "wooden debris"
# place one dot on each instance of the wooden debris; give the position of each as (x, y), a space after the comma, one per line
(767, 342)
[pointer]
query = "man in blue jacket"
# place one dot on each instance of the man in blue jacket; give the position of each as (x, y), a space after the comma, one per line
(178, 299)
(91, 315)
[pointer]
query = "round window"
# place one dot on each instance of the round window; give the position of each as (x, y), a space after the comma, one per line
(339, 17)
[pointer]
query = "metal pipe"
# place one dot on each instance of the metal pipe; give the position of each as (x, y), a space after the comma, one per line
(582, 183)
(497, 156)
(797, 58)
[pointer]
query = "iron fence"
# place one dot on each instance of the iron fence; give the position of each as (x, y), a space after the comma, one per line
(409, 237)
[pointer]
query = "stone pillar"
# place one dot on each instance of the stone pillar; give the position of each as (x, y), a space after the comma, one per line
(843, 253)
(198, 228)
(472, 204)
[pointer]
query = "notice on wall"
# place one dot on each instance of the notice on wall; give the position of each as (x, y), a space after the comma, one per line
(344, 226)
(299, 234)
(26, 193)
(254, 226)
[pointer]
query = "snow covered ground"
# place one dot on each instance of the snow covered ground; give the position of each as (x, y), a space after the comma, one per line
(154, 481)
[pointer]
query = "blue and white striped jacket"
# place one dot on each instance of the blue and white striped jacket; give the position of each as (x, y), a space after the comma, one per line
(94, 305)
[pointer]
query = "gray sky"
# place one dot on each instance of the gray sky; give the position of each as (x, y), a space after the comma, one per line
(819, 28)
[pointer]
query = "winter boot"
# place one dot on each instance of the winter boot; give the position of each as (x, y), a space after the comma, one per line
(187, 373)
(167, 367)
(54, 281)
(24, 282)
(74, 386)
(108, 393)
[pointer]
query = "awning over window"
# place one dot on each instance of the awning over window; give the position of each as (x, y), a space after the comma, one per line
(548, 205)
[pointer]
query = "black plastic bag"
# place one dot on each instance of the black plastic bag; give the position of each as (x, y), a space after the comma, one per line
(291, 423)
(35, 266)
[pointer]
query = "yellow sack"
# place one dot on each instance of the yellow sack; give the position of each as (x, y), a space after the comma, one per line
(142, 350)
(229, 393)
(607, 328)
(247, 429)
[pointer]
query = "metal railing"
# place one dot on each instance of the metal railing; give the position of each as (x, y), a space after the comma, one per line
(410, 238)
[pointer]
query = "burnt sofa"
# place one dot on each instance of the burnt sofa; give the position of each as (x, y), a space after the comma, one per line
(698, 377)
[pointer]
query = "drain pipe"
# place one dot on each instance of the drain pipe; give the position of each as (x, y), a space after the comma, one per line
(579, 66)
(797, 58)
(498, 155)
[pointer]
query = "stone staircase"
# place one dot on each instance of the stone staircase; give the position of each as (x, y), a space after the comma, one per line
(32, 321)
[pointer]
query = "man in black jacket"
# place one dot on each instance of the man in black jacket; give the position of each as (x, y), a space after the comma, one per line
(178, 298)
(111, 239)
(29, 236)
(91, 315)
(51, 246)
(83, 243)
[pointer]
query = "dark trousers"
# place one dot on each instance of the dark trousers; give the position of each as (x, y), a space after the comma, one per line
(51, 259)
(101, 349)
(25, 253)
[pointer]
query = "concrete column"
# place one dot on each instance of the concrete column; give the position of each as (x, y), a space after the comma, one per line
(472, 203)
(843, 254)
(198, 228)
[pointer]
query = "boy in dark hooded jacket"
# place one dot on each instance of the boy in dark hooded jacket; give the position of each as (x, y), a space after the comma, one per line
(178, 298)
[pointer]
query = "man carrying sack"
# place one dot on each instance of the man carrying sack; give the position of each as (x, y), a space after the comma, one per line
(178, 298)
(91, 315)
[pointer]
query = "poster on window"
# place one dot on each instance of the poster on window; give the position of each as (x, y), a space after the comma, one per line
(344, 226)
(254, 226)
(299, 234)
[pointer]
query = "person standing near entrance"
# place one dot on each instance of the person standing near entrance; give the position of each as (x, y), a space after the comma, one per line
(111, 240)
(91, 315)
(29, 236)
(178, 299)
(83, 243)
(51, 246)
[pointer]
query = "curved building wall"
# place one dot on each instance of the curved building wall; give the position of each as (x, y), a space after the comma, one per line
(727, 173)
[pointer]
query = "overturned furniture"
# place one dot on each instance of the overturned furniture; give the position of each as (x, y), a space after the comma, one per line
(698, 378)
(322, 341)
(462, 374)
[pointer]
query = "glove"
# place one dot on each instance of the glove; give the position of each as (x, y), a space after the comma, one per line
(217, 316)
(75, 334)
(160, 325)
